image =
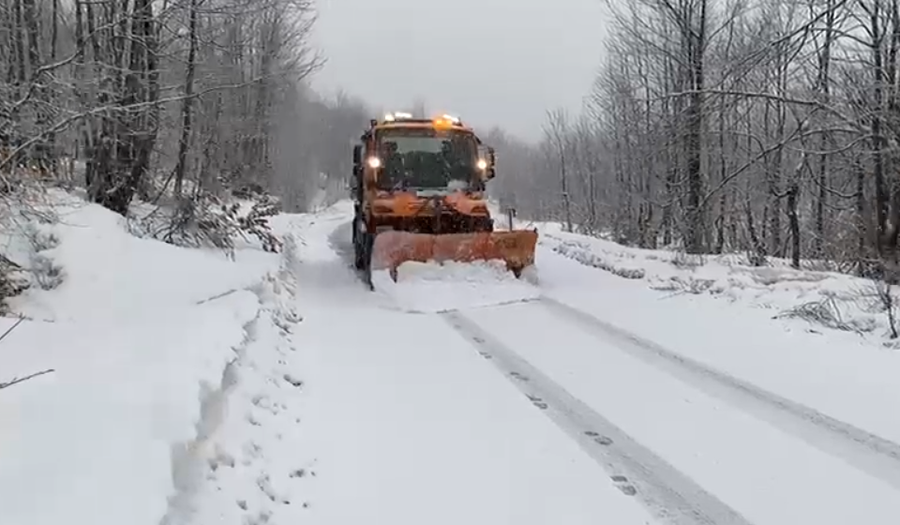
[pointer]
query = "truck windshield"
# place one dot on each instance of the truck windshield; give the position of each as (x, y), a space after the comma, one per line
(427, 158)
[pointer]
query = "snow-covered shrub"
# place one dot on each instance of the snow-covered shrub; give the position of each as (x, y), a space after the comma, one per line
(44, 272)
(825, 312)
(686, 260)
(13, 281)
(26, 220)
(207, 220)
(688, 284)
(583, 254)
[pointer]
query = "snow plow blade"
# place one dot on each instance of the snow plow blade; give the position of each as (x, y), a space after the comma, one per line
(393, 248)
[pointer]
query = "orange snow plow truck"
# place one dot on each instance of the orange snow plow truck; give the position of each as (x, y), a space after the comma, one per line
(418, 190)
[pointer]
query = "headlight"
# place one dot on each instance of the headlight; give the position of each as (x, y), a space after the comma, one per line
(374, 162)
(482, 164)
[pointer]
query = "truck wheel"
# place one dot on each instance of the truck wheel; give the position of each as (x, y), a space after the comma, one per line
(360, 253)
(367, 241)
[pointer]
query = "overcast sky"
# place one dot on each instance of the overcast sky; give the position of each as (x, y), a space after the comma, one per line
(488, 61)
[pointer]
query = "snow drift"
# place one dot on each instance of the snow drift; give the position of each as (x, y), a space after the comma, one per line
(138, 334)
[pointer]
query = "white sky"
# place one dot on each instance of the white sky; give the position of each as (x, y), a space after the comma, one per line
(490, 62)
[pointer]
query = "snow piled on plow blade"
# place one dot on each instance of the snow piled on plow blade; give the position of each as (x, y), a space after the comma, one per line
(433, 287)
(393, 248)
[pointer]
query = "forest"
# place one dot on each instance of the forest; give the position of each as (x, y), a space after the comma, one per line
(762, 127)
(175, 101)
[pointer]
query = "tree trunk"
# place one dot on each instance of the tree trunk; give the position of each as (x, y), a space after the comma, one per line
(187, 103)
(696, 43)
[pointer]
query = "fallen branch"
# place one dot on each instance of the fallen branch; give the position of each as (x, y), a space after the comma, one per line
(13, 327)
(17, 380)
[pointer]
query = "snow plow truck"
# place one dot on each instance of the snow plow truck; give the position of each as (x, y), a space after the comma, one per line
(419, 195)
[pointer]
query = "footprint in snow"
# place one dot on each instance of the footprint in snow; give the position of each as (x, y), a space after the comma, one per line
(293, 380)
(261, 518)
(220, 459)
(265, 486)
(252, 450)
(262, 401)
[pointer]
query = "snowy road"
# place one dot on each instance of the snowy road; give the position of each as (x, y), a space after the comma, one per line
(409, 424)
(755, 471)
(537, 412)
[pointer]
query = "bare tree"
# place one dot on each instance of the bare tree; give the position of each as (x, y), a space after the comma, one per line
(756, 126)
(557, 131)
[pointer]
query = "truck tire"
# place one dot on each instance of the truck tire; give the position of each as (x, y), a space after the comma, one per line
(360, 251)
(367, 240)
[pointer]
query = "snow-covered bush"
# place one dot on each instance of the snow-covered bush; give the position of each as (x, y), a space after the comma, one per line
(44, 272)
(26, 221)
(13, 281)
(205, 220)
(688, 261)
(581, 252)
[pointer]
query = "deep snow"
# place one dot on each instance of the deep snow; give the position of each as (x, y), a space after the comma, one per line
(189, 389)
(138, 334)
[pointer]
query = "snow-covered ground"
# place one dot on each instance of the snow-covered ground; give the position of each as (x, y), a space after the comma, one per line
(747, 322)
(139, 336)
(621, 386)
(702, 410)
(825, 299)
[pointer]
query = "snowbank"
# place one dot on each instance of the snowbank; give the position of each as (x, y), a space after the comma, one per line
(245, 466)
(138, 334)
(826, 299)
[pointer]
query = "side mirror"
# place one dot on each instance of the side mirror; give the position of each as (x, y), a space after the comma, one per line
(492, 163)
(357, 154)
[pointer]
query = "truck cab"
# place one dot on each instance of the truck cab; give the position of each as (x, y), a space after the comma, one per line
(426, 156)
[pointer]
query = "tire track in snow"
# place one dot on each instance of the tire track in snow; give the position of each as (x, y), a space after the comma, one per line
(634, 469)
(868, 452)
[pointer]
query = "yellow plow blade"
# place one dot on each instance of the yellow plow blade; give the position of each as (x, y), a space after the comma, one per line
(515, 248)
